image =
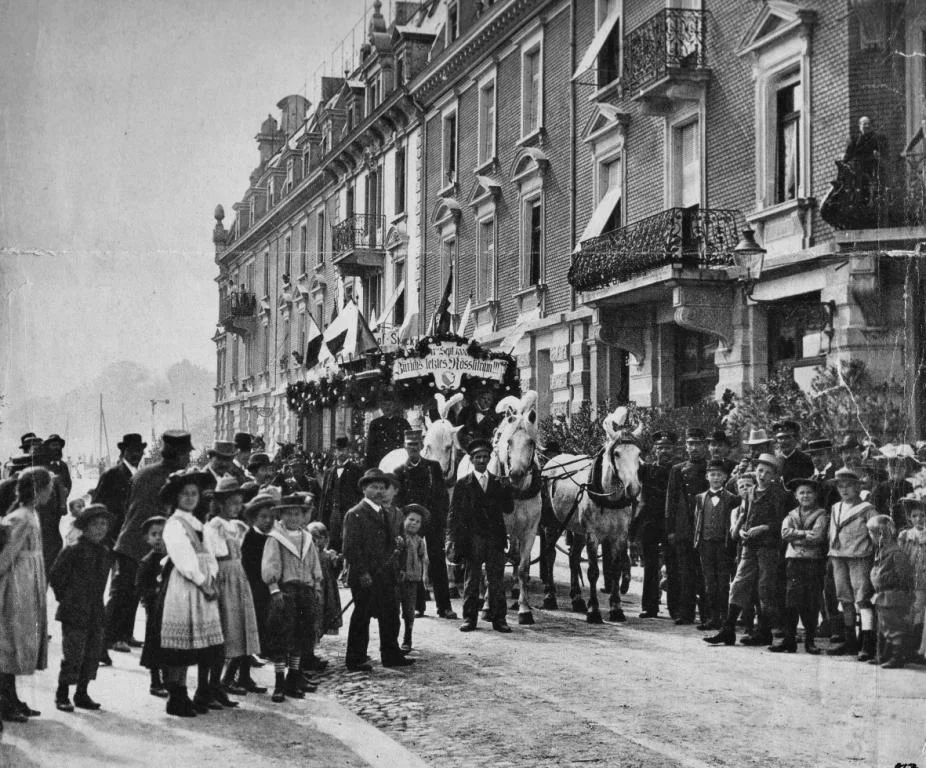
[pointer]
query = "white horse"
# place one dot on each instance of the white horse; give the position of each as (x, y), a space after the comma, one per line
(514, 457)
(441, 442)
(593, 497)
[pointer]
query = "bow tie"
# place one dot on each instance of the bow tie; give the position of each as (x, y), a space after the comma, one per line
(714, 494)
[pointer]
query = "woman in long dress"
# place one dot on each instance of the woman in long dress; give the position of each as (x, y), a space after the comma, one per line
(191, 629)
(223, 536)
(23, 614)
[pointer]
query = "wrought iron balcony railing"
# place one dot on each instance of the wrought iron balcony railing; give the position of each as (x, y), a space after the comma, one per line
(360, 231)
(237, 304)
(693, 237)
(878, 195)
(670, 42)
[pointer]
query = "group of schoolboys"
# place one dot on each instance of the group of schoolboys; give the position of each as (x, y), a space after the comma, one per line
(785, 534)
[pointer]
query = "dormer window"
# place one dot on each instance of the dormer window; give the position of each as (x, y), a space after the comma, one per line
(453, 22)
(373, 93)
(290, 172)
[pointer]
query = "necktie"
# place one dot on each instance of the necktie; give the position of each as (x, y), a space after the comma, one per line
(483, 481)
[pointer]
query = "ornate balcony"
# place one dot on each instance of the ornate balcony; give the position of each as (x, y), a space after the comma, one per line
(358, 243)
(877, 197)
(665, 58)
(698, 238)
(238, 312)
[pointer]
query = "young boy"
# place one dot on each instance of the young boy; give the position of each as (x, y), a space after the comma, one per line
(893, 582)
(292, 571)
(148, 589)
(328, 619)
(712, 538)
(850, 553)
(804, 530)
(760, 533)
(413, 569)
(259, 514)
(78, 578)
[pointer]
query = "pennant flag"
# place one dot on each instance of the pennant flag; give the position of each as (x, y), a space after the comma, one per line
(442, 320)
(464, 318)
(390, 303)
(408, 324)
(315, 349)
(349, 334)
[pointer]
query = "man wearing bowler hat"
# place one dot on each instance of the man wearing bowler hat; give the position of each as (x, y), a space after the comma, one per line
(649, 525)
(422, 482)
(477, 536)
(113, 488)
(339, 490)
(793, 461)
(239, 466)
(686, 480)
(131, 545)
(370, 547)
(718, 449)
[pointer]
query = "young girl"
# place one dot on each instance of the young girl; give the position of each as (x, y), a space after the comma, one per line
(23, 614)
(913, 542)
(893, 580)
(191, 628)
(804, 529)
(223, 536)
(328, 617)
(414, 567)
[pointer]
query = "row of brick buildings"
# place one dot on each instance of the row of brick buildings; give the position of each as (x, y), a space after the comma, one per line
(588, 167)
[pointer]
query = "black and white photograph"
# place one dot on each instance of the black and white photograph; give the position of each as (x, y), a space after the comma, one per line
(457, 383)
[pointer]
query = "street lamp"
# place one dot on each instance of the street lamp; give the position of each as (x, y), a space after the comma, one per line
(154, 434)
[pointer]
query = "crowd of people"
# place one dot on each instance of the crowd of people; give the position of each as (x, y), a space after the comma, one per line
(785, 535)
(238, 562)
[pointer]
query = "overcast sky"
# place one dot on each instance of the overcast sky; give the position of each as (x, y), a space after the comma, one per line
(122, 124)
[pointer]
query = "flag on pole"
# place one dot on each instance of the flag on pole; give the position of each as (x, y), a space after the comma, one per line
(410, 321)
(349, 334)
(464, 318)
(315, 349)
(442, 319)
(387, 308)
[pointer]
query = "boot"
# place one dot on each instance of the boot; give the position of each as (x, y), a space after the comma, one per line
(407, 640)
(293, 684)
(9, 710)
(157, 688)
(761, 636)
(809, 645)
(82, 698)
(727, 635)
(63, 699)
(896, 661)
(228, 679)
(788, 645)
(279, 692)
(221, 697)
(882, 651)
(867, 641)
(246, 682)
(178, 703)
(848, 646)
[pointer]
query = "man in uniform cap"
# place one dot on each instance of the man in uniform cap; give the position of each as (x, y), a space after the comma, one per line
(239, 466)
(686, 480)
(369, 552)
(477, 536)
(794, 463)
(649, 525)
(113, 488)
(421, 481)
(385, 433)
(131, 545)
(339, 490)
(54, 461)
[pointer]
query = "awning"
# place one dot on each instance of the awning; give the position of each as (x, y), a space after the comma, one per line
(603, 33)
(601, 215)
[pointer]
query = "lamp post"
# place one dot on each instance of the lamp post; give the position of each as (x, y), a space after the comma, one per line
(154, 404)
(749, 256)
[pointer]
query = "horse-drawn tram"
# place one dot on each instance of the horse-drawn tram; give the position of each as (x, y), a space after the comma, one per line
(459, 391)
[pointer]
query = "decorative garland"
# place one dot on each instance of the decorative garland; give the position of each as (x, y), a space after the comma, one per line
(365, 387)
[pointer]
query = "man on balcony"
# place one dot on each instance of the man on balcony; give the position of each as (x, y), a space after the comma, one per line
(864, 153)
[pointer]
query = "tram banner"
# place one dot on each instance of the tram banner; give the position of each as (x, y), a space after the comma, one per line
(449, 364)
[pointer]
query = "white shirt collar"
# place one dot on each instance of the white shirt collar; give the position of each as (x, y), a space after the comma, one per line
(190, 518)
(375, 506)
(131, 469)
